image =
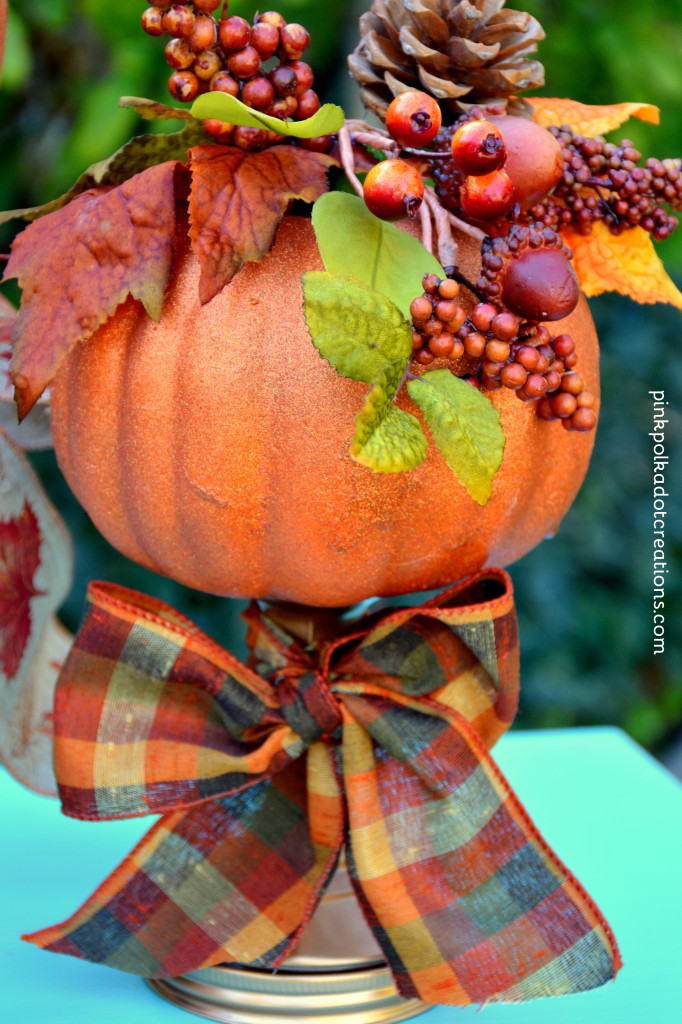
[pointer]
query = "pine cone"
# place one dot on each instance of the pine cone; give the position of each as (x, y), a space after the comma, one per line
(463, 52)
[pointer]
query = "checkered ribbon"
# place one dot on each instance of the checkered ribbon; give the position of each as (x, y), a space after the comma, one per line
(378, 741)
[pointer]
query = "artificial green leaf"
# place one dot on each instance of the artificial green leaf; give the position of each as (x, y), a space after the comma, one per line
(465, 426)
(136, 155)
(356, 244)
(387, 439)
(219, 105)
(356, 329)
(150, 110)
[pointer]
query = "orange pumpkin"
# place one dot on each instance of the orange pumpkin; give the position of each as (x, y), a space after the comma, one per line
(213, 447)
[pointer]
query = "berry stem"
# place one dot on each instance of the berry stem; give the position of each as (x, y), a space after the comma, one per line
(428, 153)
(426, 227)
(376, 141)
(348, 160)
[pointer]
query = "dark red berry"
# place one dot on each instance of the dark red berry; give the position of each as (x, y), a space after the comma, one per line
(514, 375)
(527, 356)
(284, 80)
(534, 160)
(178, 21)
(497, 351)
(491, 369)
(424, 356)
(563, 345)
(487, 197)
(540, 285)
(482, 315)
(178, 54)
(234, 33)
(219, 130)
(563, 404)
(258, 93)
(430, 283)
(545, 409)
(413, 118)
(224, 82)
(432, 327)
(244, 63)
(304, 76)
(583, 420)
(478, 147)
(535, 386)
(585, 399)
(207, 65)
(505, 326)
(253, 139)
(308, 104)
(206, 6)
(393, 189)
(204, 34)
(474, 344)
(442, 345)
(446, 309)
(272, 18)
(573, 383)
(417, 339)
(318, 143)
(295, 40)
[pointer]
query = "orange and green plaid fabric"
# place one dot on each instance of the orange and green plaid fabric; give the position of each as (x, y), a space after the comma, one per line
(377, 741)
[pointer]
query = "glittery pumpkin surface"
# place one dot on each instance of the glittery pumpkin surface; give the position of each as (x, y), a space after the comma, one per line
(213, 447)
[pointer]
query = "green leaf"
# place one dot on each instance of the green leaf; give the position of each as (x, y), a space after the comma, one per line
(356, 244)
(387, 439)
(137, 155)
(328, 119)
(356, 329)
(465, 426)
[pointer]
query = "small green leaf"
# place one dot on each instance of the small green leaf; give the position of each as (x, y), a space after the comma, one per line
(356, 329)
(387, 439)
(136, 155)
(328, 119)
(356, 244)
(465, 426)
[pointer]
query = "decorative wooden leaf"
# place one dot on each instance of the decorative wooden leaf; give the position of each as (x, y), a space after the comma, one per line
(136, 155)
(77, 264)
(371, 251)
(465, 426)
(238, 199)
(625, 263)
(36, 565)
(327, 120)
(586, 118)
(387, 439)
(359, 331)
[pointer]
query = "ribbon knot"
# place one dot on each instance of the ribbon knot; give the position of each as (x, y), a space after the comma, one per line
(377, 742)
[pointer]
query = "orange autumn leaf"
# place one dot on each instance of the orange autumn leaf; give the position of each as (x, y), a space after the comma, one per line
(626, 263)
(586, 118)
(77, 264)
(238, 199)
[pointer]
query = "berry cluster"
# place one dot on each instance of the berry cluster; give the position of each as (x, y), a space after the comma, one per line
(602, 181)
(529, 271)
(494, 349)
(258, 63)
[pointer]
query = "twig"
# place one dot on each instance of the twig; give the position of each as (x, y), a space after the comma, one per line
(427, 231)
(466, 229)
(447, 246)
(431, 154)
(374, 140)
(348, 160)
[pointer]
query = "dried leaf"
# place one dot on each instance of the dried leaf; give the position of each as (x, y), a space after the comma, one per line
(150, 110)
(587, 119)
(136, 155)
(626, 263)
(238, 199)
(78, 264)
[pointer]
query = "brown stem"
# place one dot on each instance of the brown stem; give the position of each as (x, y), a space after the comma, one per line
(348, 160)
(430, 154)
(447, 246)
(427, 230)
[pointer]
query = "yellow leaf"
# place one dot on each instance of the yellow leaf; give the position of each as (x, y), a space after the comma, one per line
(588, 119)
(626, 263)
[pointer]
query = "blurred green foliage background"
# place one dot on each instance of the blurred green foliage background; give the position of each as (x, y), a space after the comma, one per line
(585, 597)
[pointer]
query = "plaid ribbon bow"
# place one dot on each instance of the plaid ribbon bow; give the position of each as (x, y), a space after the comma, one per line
(378, 740)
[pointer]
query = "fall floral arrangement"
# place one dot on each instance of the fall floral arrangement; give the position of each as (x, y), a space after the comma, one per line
(243, 391)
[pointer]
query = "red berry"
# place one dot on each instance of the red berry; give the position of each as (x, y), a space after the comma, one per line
(206, 6)
(474, 344)
(535, 386)
(224, 82)
(448, 289)
(482, 315)
(207, 65)
(491, 383)
(457, 320)
(265, 38)
(573, 383)
(393, 189)
(204, 34)
(220, 130)
(284, 80)
(430, 283)
(424, 356)
(585, 399)
(446, 309)
(178, 21)
(253, 139)
(442, 345)
(417, 339)
(413, 118)
(583, 420)
(244, 63)
(304, 76)
(152, 21)
(542, 365)
(487, 197)
(505, 326)
(272, 18)
(497, 351)
(183, 86)
(527, 356)
(178, 54)
(553, 378)
(421, 308)
(432, 327)
(563, 404)
(540, 284)
(234, 33)
(514, 376)
(545, 409)
(295, 39)
(318, 143)
(563, 345)
(257, 93)
(478, 148)
(308, 104)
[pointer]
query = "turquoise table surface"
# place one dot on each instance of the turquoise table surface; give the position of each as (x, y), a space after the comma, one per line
(608, 809)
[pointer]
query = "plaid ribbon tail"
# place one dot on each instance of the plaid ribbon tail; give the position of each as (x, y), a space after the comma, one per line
(232, 880)
(467, 901)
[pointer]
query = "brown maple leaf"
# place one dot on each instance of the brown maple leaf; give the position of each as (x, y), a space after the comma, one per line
(237, 200)
(20, 541)
(78, 264)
